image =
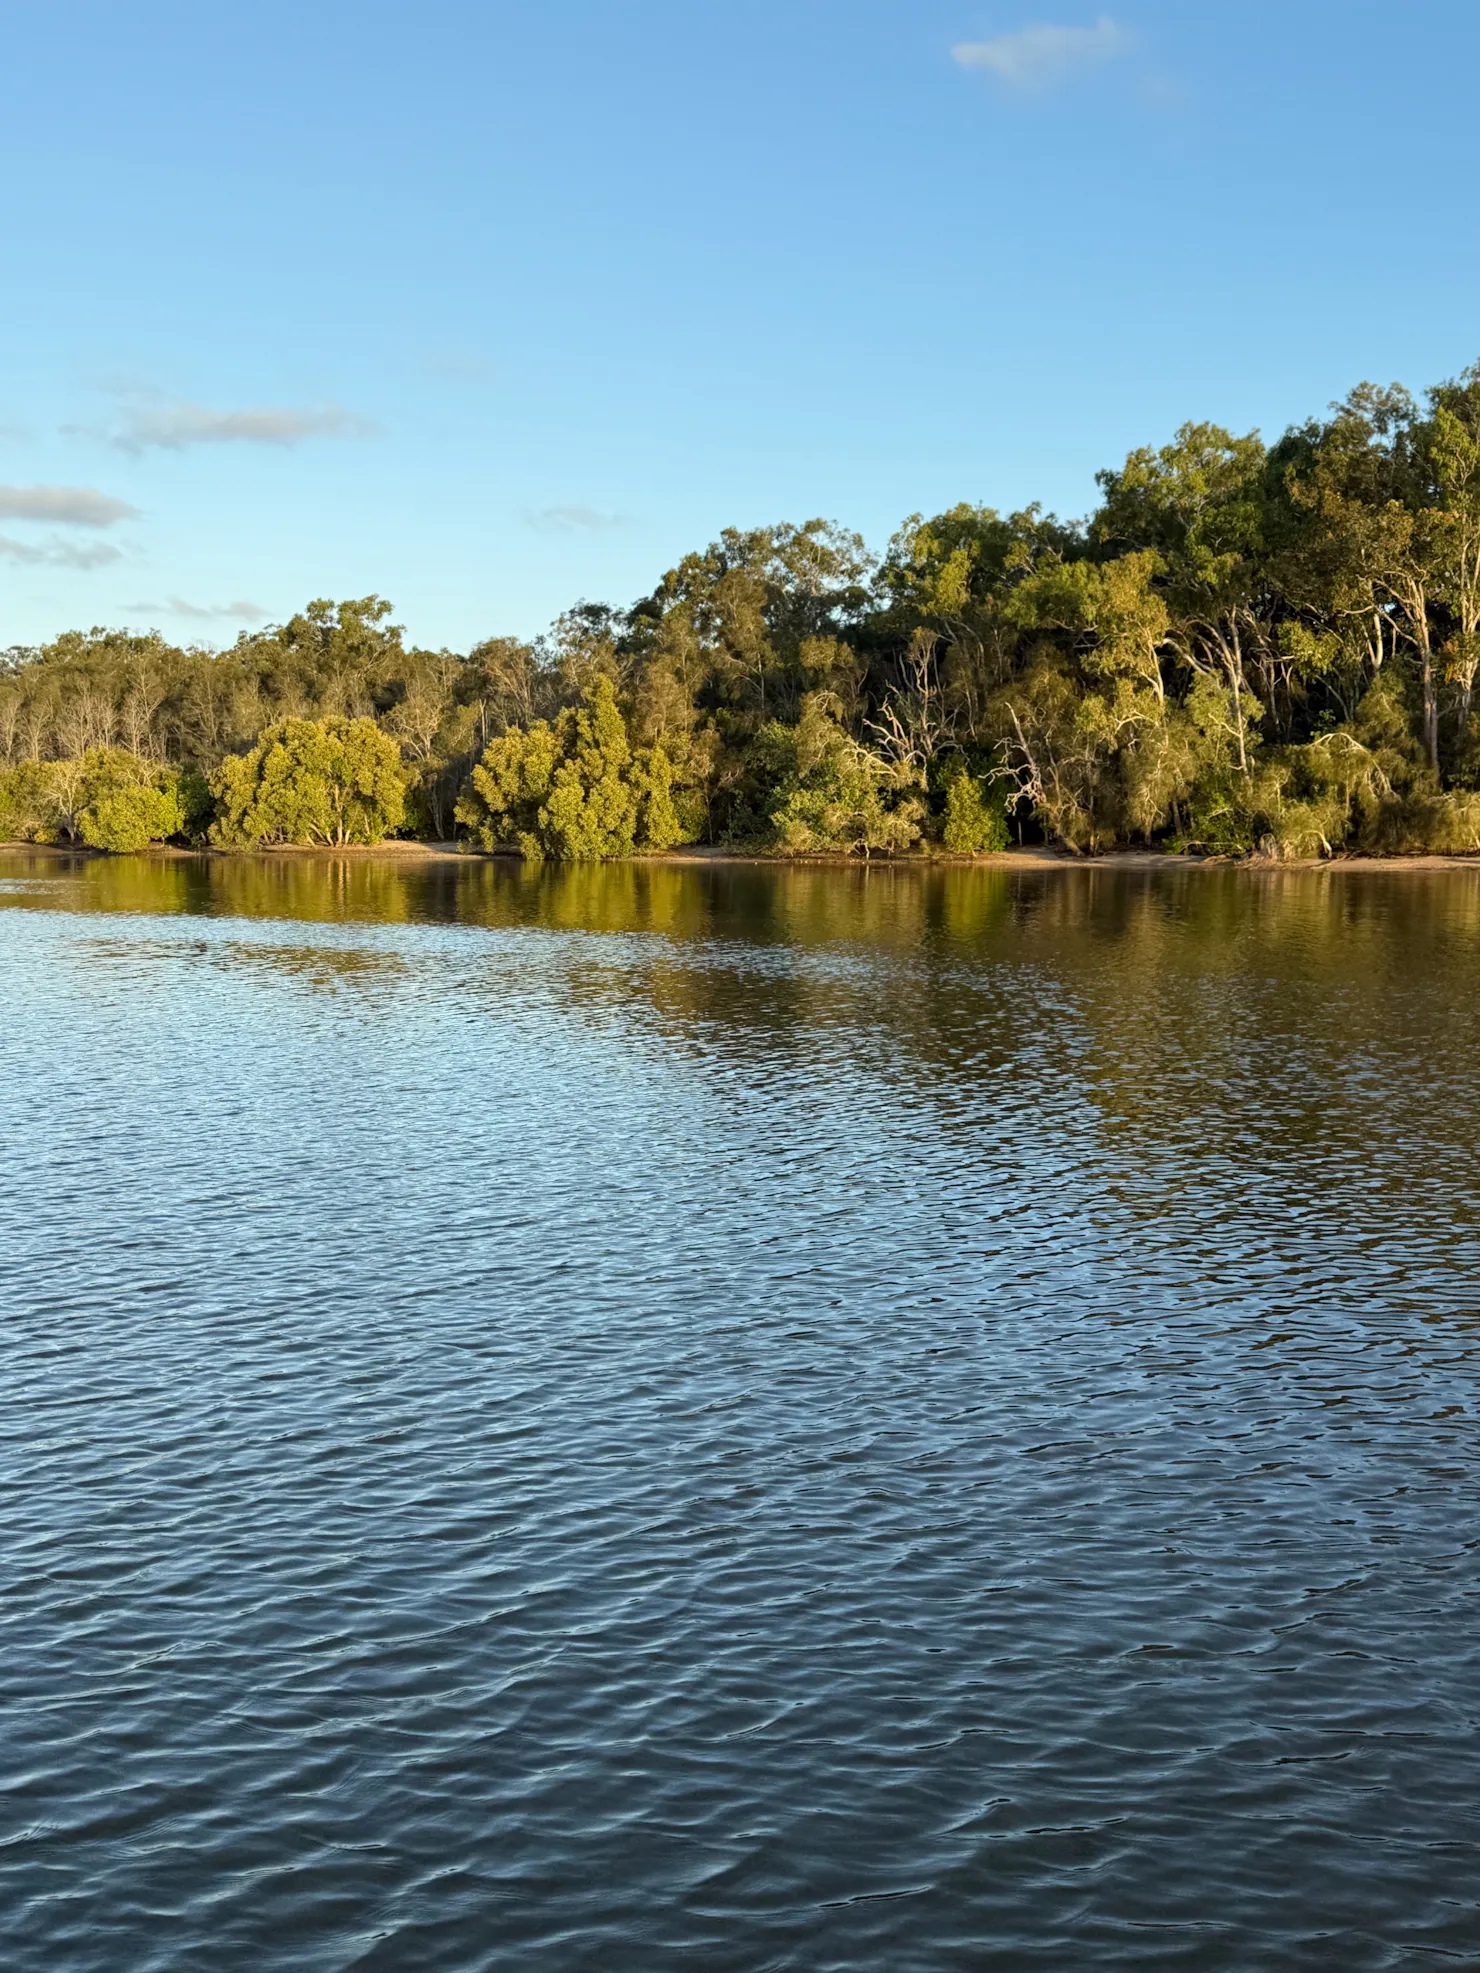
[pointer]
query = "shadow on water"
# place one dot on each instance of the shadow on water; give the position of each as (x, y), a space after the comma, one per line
(1243, 997)
(1215, 915)
(1272, 1041)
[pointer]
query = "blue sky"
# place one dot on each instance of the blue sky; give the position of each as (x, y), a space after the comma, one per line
(492, 307)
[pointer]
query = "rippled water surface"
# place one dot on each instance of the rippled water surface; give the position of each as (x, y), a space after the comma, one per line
(737, 1418)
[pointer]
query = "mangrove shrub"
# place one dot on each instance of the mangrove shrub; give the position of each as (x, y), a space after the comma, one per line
(974, 822)
(315, 781)
(105, 798)
(834, 793)
(572, 790)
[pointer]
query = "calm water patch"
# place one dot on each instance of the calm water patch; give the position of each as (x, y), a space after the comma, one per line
(641, 1418)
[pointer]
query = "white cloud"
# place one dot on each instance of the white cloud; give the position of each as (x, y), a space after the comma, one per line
(73, 506)
(573, 520)
(1035, 57)
(58, 554)
(172, 423)
(176, 606)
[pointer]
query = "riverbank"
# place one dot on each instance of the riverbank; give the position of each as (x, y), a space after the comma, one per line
(1032, 856)
(390, 851)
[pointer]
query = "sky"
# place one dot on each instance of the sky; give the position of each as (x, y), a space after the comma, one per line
(491, 308)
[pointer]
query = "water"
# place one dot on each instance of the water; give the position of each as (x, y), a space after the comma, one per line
(742, 1418)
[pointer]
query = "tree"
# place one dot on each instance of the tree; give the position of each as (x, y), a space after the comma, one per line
(1452, 439)
(328, 781)
(106, 798)
(1370, 552)
(502, 679)
(833, 793)
(331, 660)
(974, 823)
(1242, 645)
(734, 620)
(1199, 507)
(127, 803)
(574, 790)
(1091, 733)
(946, 582)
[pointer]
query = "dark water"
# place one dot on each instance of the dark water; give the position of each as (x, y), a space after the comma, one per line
(737, 1418)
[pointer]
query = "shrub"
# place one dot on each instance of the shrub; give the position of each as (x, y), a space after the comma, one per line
(132, 818)
(29, 808)
(106, 798)
(974, 824)
(575, 790)
(125, 803)
(838, 795)
(313, 781)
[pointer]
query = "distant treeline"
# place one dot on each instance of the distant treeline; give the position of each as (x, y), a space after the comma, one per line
(1243, 649)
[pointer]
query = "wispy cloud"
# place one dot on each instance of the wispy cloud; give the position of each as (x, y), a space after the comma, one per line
(1037, 57)
(150, 420)
(73, 506)
(59, 554)
(176, 606)
(572, 520)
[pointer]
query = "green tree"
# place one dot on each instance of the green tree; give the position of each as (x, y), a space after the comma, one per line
(32, 804)
(127, 803)
(733, 621)
(105, 798)
(835, 794)
(974, 823)
(1198, 506)
(944, 586)
(1370, 556)
(572, 790)
(1451, 438)
(331, 660)
(327, 781)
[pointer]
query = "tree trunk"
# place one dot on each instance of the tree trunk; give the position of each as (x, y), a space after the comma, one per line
(1430, 707)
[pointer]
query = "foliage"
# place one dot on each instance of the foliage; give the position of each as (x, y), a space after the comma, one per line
(833, 794)
(573, 790)
(29, 810)
(1247, 648)
(106, 798)
(973, 824)
(329, 781)
(126, 803)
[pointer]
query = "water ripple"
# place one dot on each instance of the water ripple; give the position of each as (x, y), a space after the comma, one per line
(778, 1421)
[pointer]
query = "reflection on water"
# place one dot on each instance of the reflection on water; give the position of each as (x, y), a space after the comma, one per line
(768, 1418)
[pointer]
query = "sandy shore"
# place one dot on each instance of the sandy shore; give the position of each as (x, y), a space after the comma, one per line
(1038, 857)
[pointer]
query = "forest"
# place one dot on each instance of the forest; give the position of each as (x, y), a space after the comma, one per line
(1244, 650)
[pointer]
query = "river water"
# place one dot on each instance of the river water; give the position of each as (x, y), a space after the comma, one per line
(731, 1417)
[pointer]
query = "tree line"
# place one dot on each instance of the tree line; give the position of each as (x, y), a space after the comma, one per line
(1244, 648)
